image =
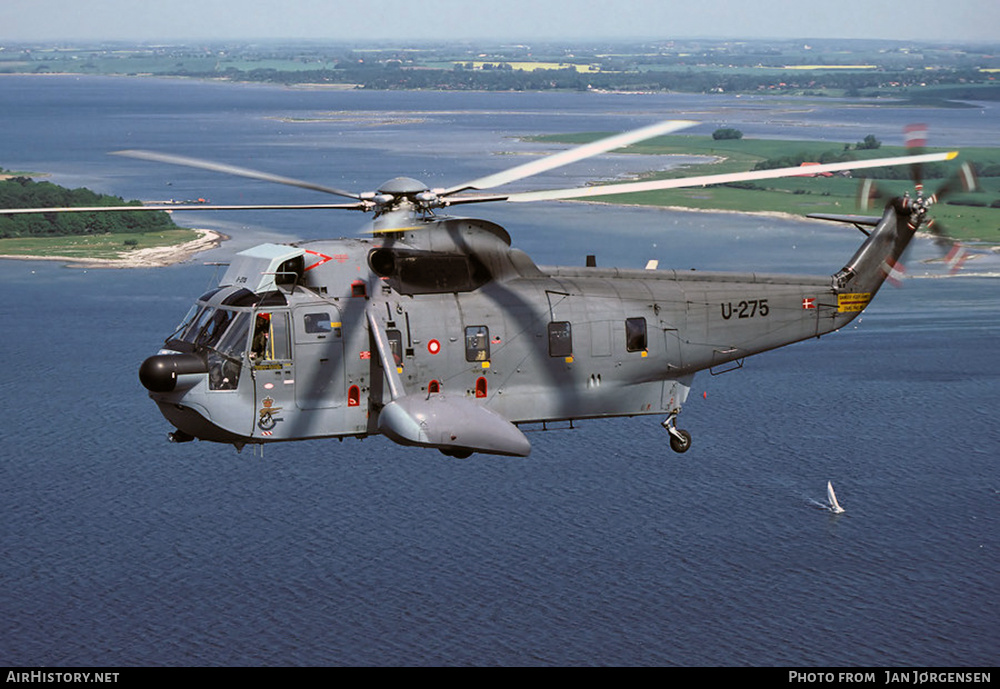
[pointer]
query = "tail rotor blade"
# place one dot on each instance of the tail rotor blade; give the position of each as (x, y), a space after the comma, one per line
(895, 271)
(941, 239)
(965, 180)
(915, 139)
(868, 194)
(956, 257)
(953, 252)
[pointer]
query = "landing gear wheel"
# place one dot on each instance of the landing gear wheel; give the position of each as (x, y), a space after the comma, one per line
(680, 440)
(457, 454)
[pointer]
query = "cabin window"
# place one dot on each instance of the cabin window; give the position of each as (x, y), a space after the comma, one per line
(395, 345)
(320, 324)
(560, 339)
(477, 343)
(635, 334)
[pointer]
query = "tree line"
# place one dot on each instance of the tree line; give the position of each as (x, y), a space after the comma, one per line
(987, 169)
(24, 192)
(393, 75)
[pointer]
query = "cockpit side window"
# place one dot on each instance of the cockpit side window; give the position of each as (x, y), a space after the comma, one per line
(270, 337)
(281, 347)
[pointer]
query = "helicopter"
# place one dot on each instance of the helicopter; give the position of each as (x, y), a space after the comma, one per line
(436, 332)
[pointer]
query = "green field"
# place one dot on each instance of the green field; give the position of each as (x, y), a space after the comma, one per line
(93, 246)
(803, 195)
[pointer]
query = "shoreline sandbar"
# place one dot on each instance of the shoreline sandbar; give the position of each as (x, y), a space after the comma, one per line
(152, 257)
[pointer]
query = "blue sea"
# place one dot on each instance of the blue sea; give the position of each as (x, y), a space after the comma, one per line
(118, 548)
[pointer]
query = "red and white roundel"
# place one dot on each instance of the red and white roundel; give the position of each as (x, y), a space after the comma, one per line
(433, 346)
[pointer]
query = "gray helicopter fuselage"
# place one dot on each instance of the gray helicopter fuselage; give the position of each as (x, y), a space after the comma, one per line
(439, 331)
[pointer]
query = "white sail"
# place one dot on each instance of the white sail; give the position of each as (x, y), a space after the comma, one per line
(831, 498)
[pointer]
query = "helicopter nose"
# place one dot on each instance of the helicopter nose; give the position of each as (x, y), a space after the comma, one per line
(160, 373)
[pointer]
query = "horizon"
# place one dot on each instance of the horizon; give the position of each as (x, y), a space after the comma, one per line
(430, 43)
(965, 22)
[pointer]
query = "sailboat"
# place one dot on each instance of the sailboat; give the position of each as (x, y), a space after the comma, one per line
(831, 498)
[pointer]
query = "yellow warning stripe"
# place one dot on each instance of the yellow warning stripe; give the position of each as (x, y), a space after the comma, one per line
(853, 301)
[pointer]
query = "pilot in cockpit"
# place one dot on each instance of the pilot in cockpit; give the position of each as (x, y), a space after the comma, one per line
(261, 334)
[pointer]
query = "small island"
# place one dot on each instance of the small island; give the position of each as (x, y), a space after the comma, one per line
(109, 240)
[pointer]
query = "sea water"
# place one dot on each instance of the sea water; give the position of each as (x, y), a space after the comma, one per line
(603, 547)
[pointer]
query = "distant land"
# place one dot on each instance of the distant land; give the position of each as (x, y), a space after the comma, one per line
(926, 73)
(931, 75)
(967, 216)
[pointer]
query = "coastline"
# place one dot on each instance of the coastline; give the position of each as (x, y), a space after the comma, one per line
(685, 209)
(779, 215)
(153, 257)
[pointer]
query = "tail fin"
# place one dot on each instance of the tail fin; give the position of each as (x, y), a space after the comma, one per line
(878, 258)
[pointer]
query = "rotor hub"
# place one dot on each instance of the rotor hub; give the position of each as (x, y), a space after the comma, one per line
(400, 192)
(918, 206)
(402, 186)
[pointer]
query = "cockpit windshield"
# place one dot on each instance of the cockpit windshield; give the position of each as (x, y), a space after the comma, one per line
(221, 335)
(233, 342)
(205, 328)
(225, 353)
(191, 315)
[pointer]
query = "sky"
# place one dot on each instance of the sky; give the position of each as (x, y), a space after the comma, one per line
(503, 20)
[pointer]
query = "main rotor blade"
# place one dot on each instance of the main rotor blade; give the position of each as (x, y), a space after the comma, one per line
(571, 155)
(685, 182)
(186, 207)
(232, 170)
